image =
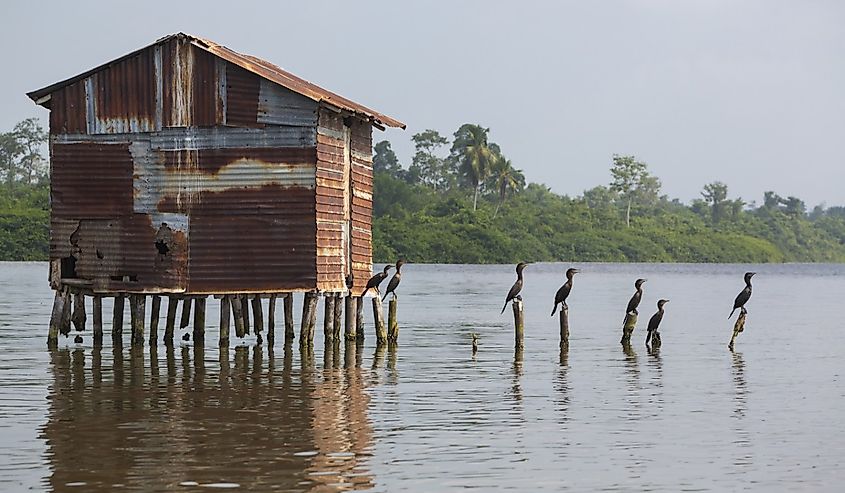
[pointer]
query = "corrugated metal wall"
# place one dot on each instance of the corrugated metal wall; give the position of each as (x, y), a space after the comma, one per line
(208, 180)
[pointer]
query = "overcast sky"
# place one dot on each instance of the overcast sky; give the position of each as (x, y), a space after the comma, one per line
(751, 93)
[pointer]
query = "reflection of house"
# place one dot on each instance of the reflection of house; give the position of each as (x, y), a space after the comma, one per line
(151, 425)
(186, 167)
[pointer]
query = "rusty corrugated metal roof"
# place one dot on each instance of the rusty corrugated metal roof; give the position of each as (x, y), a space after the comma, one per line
(255, 65)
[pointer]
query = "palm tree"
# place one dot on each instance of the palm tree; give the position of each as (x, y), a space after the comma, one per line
(505, 178)
(475, 157)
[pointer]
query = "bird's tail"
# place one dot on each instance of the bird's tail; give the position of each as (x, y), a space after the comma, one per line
(732, 313)
(385, 295)
(554, 309)
(503, 308)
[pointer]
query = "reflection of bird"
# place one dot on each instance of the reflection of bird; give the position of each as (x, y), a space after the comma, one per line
(654, 321)
(635, 300)
(394, 281)
(186, 337)
(78, 339)
(376, 280)
(744, 295)
(517, 286)
(563, 292)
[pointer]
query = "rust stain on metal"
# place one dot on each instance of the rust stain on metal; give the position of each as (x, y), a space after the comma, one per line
(242, 89)
(91, 180)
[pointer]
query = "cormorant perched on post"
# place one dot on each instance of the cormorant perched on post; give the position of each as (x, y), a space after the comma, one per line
(635, 300)
(394, 281)
(517, 286)
(377, 279)
(654, 322)
(563, 292)
(744, 295)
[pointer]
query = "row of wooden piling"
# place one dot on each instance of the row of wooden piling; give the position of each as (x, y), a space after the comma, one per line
(243, 311)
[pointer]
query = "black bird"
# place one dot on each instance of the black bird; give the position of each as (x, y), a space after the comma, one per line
(563, 292)
(78, 339)
(635, 300)
(394, 281)
(377, 279)
(654, 322)
(517, 286)
(744, 295)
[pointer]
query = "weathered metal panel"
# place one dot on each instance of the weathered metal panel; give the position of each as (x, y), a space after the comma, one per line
(122, 97)
(331, 194)
(204, 84)
(242, 89)
(208, 138)
(91, 180)
(362, 200)
(278, 105)
(68, 110)
(263, 240)
(179, 66)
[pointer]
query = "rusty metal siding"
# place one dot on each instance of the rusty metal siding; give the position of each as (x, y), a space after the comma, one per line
(330, 196)
(68, 110)
(122, 97)
(91, 180)
(242, 90)
(362, 201)
(267, 243)
(281, 106)
(204, 89)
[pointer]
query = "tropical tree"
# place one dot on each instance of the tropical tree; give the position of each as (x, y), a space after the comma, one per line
(504, 178)
(431, 169)
(32, 137)
(632, 181)
(384, 159)
(474, 156)
(716, 195)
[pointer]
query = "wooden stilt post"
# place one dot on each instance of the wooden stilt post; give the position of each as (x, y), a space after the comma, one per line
(739, 326)
(170, 323)
(328, 319)
(309, 319)
(378, 321)
(64, 327)
(392, 320)
(237, 315)
(271, 320)
(79, 317)
(338, 316)
(155, 310)
(117, 321)
(224, 321)
(628, 326)
(258, 317)
(288, 312)
(359, 318)
(351, 317)
(186, 313)
(136, 315)
(199, 320)
(564, 326)
(245, 312)
(518, 323)
(97, 308)
(56, 317)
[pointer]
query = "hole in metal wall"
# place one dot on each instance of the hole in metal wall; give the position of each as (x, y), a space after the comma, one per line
(68, 267)
(100, 254)
(162, 247)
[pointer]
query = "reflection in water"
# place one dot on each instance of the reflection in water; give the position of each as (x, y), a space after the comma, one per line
(242, 422)
(742, 437)
(655, 362)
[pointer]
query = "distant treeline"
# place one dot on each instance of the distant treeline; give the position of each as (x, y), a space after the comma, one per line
(427, 212)
(461, 200)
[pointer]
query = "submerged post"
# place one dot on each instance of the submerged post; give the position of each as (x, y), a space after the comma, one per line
(392, 320)
(79, 317)
(378, 321)
(288, 309)
(739, 326)
(155, 309)
(245, 312)
(97, 308)
(199, 320)
(224, 321)
(117, 321)
(359, 318)
(56, 317)
(137, 307)
(628, 326)
(258, 318)
(170, 323)
(351, 317)
(518, 323)
(186, 313)
(338, 316)
(237, 314)
(328, 318)
(271, 320)
(64, 325)
(309, 319)
(564, 326)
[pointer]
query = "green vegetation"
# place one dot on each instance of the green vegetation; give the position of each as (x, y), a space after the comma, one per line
(470, 205)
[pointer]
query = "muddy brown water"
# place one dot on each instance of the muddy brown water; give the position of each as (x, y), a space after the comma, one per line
(428, 415)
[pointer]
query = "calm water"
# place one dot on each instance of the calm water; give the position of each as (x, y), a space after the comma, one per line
(427, 415)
